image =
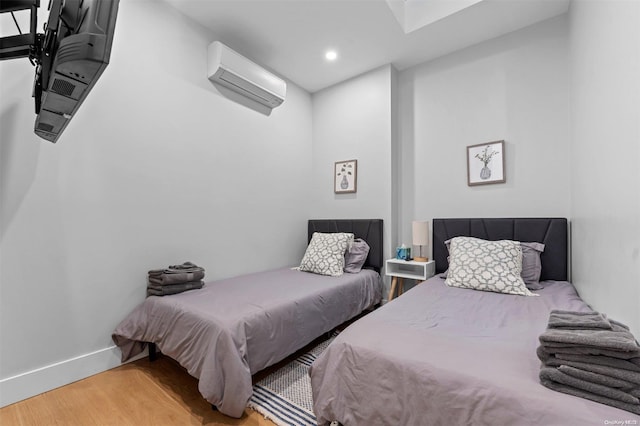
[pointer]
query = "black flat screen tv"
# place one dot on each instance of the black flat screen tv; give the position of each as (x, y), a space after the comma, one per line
(69, 56)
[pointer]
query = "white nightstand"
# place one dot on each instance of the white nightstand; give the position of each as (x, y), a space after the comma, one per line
(400, 269)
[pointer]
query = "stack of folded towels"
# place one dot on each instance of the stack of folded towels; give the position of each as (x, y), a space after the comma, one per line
(175, 279)
(591, 356)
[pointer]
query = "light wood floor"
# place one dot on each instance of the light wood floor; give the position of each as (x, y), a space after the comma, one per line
(140, 393)
(158, 393)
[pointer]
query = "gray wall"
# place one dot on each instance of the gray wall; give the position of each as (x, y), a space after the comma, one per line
(605, 154)
(353, 120)
(156, 168)
(513, 88)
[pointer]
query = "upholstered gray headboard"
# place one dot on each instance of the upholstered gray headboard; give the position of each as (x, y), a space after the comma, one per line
(369, 230)
(552, 232)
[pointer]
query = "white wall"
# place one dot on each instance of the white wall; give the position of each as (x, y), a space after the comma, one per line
(513, 88)
(353, 120)
(605, 153)
(156, 168)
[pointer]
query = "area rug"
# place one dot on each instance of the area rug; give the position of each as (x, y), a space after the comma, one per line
(284, 396)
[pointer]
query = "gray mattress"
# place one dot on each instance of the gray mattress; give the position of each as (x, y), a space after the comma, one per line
(232, 328)
(447, 356)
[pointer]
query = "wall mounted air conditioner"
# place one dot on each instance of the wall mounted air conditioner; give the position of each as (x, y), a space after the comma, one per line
(235, 72)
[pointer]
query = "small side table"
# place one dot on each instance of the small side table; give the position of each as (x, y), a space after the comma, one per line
(398, 270)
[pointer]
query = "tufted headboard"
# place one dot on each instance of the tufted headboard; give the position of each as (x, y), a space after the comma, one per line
(369, 230)
(552, 232)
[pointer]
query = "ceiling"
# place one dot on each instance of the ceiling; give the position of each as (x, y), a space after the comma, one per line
(290, 37)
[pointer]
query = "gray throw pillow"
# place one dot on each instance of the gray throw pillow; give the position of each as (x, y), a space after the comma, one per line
(355, 257)
(531, 265)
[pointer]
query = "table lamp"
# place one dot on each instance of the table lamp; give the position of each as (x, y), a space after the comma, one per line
(420, 238)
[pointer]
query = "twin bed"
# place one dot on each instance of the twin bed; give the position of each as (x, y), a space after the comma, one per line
(436, 355)
(233, 328)
(442, 355)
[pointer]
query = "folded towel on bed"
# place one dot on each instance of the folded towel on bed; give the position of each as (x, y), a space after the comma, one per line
(185, 266)
(561, 382)
(176, 278)
(176, 269)
(591, 356)
(632, 364)
(627, 375)
(176, 274)
(551, 360)
(166, 290)
(559, 376)
(618, 339)
(632, 357)
(601, 379)
(578, 320)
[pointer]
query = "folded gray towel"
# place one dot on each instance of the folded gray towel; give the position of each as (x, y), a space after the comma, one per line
(185, 265)
(183, 277)
(560, 377)
(168, 271)
(550, 360)
(166, 290)
(558, 381)
(591, 356)
(632, 364)
(578, 320)
(176, 269)
(569, 349)
(617, 339)
(598, 378)
(543, 354)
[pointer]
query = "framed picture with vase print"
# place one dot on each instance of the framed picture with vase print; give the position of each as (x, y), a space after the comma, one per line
(345, 176)
(485, 163)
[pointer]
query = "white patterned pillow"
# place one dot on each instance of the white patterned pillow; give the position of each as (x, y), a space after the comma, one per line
(486, 265)
(325, 253)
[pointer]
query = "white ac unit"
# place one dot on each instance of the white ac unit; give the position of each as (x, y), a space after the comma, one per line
(234, 71)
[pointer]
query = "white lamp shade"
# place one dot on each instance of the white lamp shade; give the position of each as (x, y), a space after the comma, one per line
(420, 233)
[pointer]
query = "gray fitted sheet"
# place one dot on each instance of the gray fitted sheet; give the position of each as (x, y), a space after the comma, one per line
(233, 328)
(447, 356)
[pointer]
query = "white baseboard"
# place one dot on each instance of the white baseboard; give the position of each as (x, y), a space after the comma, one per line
(35, 382)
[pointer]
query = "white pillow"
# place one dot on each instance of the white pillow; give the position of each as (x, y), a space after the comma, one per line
(531, 263)
(486, 265)
(325, 253)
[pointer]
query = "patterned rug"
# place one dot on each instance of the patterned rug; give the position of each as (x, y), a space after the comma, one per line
(284, 396)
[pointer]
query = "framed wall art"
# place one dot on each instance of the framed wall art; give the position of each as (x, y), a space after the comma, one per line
(345, 176)
(485, 163)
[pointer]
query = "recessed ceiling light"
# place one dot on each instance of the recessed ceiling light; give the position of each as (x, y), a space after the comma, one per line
(331, 55)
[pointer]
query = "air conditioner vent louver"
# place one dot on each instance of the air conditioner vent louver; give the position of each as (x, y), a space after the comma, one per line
(234, 71)
(247, 89)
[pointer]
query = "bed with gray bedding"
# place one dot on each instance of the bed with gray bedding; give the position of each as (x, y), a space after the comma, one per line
(441, 355)
(233, 328)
